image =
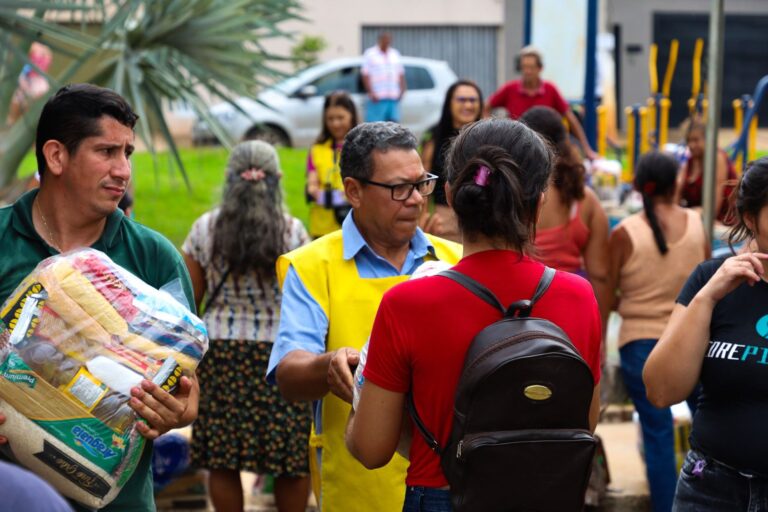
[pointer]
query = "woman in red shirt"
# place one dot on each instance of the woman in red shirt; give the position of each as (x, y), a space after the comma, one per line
(497, 172)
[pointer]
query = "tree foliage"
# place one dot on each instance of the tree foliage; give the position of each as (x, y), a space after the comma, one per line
(150, 51)
(307, 51)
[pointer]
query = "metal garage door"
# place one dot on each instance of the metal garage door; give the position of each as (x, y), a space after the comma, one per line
(746, 58)
(470, 50)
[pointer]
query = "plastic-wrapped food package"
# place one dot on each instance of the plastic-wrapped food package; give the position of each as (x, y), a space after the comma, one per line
(75, 336)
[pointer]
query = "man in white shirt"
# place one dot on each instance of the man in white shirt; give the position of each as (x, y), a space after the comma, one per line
(384, 81)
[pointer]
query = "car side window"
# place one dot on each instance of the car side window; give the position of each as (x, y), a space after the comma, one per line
(345, 79)
(417, 77)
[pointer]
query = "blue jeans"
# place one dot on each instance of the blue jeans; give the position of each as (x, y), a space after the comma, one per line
(427, 499)
(706, 485)
(656, 424)
(382, 110)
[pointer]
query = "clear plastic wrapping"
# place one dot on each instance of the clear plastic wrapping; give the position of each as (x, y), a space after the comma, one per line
(76, 335)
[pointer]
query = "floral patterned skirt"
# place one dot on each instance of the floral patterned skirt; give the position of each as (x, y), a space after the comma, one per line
(243, 423)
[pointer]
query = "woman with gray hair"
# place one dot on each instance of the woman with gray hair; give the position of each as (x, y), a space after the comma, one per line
(244, 424)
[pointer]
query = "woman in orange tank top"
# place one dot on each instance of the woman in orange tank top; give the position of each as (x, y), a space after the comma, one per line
(651, 255)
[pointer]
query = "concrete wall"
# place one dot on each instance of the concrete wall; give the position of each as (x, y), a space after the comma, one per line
(340, 22)
(636, 20)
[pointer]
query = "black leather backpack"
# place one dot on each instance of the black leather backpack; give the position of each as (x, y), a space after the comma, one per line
(520, 439)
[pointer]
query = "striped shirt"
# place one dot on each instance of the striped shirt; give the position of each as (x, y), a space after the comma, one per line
(383, 70)
(248, 307)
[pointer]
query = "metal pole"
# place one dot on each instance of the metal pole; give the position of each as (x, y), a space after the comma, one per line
(590, 112)
(514, 17)
(714, 81)
(527, 23)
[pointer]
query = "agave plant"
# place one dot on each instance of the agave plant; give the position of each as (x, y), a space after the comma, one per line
(149, 51)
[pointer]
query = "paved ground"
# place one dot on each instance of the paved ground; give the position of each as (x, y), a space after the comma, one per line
(628, 490)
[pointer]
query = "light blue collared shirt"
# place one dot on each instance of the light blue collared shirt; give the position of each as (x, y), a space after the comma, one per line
(303, 323)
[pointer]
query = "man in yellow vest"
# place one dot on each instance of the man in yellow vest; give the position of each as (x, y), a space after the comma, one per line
(331, 291)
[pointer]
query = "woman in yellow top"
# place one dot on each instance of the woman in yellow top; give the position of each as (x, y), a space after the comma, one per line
(325, 190)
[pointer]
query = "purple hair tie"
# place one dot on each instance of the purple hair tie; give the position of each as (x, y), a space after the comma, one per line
(481, 176)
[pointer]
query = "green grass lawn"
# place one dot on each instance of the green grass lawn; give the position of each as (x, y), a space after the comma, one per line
(163, 202)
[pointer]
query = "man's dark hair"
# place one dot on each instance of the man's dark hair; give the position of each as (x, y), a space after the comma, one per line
(362, 140)
(72, 115)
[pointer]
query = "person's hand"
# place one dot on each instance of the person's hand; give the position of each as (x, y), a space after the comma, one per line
(431, 224)
(743, 268)
(591, 154)
(372, 96)
(442, 223)
(162, 410)
(3, 439)
(340, 379)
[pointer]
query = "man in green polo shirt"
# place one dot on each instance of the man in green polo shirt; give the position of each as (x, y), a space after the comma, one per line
(83, 146)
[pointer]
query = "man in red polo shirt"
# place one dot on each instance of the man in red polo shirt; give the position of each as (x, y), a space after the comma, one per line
(517, 96)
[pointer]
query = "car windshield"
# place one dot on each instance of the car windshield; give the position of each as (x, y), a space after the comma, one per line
(290, 84)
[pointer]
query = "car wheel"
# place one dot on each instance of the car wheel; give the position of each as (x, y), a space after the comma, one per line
(271, 134)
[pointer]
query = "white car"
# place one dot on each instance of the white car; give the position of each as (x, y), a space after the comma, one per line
(289, 112)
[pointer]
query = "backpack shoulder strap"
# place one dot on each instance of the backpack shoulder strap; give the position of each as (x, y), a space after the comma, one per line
(425, 433)
(473, 286)
(544, 282)
(523, 308)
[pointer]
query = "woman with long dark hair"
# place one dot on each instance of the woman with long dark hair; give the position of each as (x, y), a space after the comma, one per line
(244, 424)
(572, 230)
(325, 190)
(463, 105)
(497, 172)
(651, 255)
(690, 181)
(717, 336)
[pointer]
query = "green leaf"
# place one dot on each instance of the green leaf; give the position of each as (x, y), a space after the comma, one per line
(150, 51)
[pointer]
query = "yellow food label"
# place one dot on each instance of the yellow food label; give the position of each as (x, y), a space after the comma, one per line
(85, 389)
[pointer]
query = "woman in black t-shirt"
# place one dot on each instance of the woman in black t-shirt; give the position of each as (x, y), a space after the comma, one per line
(463, 105)
(718, 333)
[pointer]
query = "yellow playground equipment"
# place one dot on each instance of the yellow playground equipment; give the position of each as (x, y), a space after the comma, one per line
(659, 102)
(740, 106)
(698, 103)
(649, 125)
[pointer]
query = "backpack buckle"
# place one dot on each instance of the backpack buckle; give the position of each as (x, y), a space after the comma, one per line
(519, 309)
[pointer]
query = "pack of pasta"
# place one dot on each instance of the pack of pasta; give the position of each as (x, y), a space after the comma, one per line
(75, 336)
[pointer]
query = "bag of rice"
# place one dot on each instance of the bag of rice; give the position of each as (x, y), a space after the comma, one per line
(75, 336)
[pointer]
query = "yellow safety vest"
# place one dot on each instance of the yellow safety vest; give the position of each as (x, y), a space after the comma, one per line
(326, 162)
(350, 302)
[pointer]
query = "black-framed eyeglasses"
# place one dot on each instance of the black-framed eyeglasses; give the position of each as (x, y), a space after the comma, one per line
(402, 191)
